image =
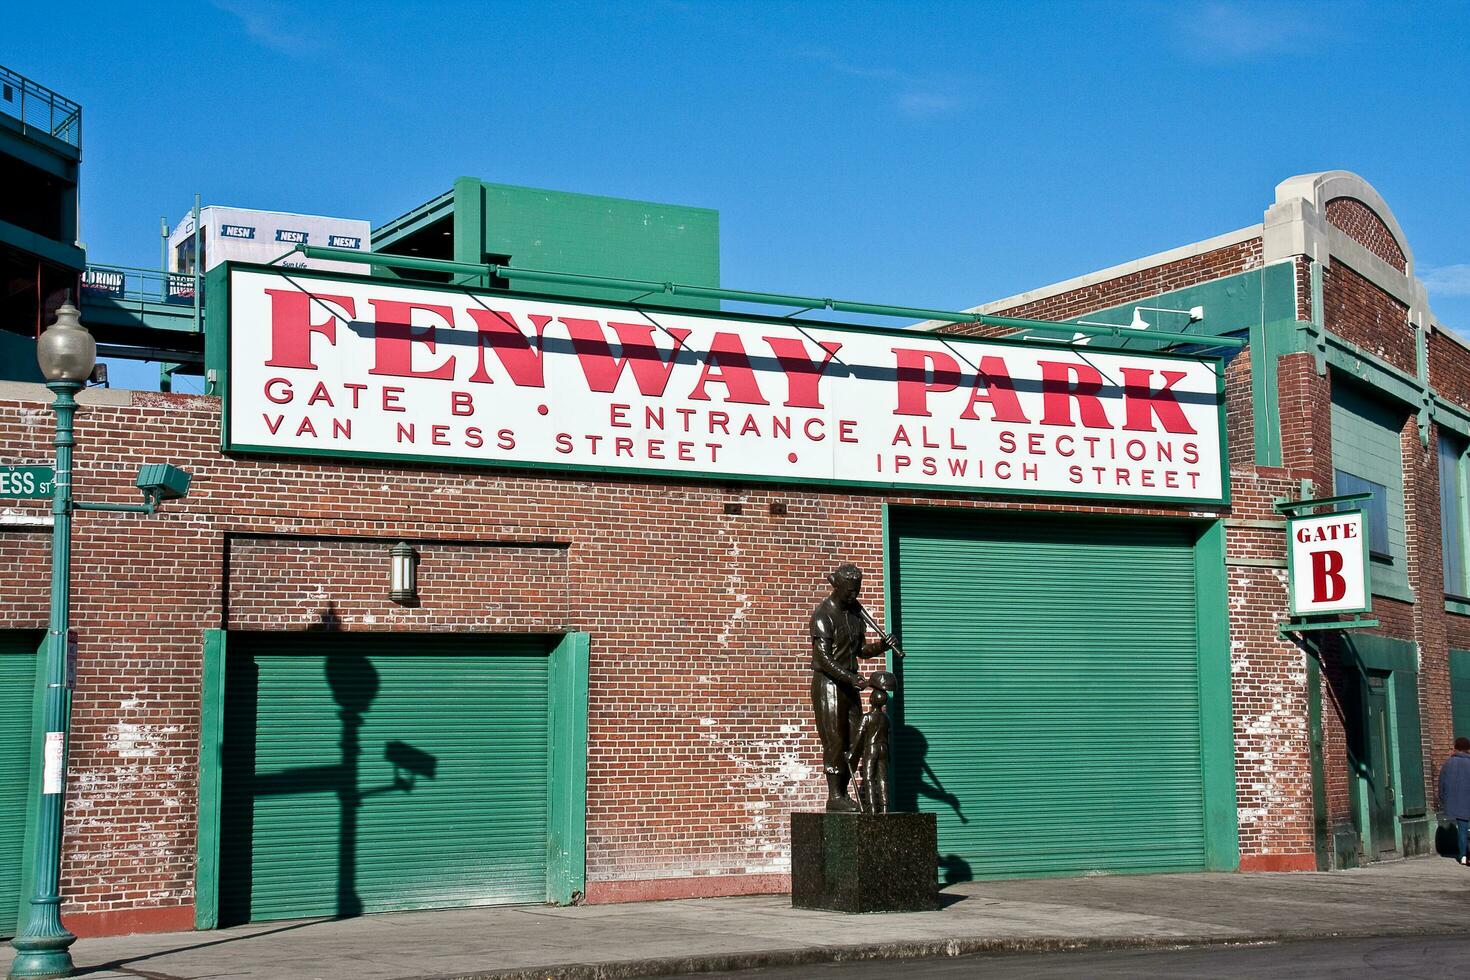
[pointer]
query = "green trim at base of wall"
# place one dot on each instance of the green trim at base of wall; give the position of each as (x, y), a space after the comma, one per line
(1418, 835)
(1346, 846)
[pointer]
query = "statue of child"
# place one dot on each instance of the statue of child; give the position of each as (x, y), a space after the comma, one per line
(869, 756)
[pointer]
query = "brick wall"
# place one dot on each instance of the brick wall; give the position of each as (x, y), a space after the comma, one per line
(1362, 224)
(686, 602)
(1358, 311)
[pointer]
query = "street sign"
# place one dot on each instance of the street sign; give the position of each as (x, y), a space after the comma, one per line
(26, 481)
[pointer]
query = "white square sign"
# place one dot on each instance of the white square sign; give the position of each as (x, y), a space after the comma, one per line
(1327, 563)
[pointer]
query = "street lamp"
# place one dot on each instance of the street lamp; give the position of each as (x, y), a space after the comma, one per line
(67, 353)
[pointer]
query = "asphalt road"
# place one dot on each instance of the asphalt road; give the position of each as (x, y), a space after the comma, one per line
(1420, 958)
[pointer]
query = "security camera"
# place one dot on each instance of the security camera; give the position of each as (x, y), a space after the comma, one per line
(160, 481)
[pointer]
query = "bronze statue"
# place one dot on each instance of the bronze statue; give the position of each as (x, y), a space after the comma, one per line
(838, 631)
(870, 749)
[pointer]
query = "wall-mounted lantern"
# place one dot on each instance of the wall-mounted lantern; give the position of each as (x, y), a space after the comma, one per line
(403, 585)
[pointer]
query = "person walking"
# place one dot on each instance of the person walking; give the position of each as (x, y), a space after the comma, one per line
(1454, 793)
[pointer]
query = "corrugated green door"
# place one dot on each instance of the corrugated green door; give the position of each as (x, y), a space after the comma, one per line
(17, 695)
(369, 773)
(1051, 706)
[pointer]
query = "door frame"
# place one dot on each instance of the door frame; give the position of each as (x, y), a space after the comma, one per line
(1388, 764)
(1212, 638)
(1364, 652)
(566, 838)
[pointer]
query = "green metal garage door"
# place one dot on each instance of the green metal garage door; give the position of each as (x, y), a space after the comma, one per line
(368, 773)
(17, 694)
(1051, 693)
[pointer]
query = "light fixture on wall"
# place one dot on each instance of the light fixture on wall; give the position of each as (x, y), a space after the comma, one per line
(403, 585)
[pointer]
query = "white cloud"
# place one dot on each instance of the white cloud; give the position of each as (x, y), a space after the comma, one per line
(269, 23)
(1446, 280)
(1228, 31)
(916, 96)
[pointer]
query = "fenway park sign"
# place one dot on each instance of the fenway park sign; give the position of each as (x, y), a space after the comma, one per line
(348, 366)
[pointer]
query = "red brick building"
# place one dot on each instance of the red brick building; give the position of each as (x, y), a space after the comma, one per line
(600, 691)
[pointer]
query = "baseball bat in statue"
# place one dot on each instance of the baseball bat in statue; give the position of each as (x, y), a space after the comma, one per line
(868, 618)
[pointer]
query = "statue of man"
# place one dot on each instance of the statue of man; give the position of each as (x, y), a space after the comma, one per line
(838, 634)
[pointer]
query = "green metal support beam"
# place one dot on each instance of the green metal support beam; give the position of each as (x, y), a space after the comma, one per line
(646, 287)
(1286, 629)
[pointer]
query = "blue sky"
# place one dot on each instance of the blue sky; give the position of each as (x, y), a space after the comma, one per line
(930, 154)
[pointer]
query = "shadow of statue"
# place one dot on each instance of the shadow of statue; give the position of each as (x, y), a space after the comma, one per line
(954, 869)
(915, 777)
(354, 683)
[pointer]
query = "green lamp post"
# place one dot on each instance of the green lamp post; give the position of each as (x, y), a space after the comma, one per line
(67, 355)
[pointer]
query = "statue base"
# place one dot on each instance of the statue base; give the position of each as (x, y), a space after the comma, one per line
(864, 862)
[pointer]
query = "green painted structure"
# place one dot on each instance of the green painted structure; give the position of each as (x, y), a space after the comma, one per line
(1460, 690)
(1365, 444)
(1385, 754)
(327, 789)
(17, 703)
(1371, 401)
(40, 172)
(557, 231)
(1066, 704)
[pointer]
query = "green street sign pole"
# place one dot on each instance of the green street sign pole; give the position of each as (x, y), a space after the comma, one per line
(43, 947)
(67, 355)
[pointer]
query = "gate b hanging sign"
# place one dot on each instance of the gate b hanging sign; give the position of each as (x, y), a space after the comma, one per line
(1327, 563)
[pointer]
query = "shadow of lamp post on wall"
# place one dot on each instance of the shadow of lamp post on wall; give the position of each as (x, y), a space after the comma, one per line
(67, 355)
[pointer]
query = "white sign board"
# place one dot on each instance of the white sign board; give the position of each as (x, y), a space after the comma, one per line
(245, 235)
(1327, 563)
(327, 365)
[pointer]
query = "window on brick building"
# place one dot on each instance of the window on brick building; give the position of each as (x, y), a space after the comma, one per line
(1367, 457)
(1453, 524)
(1375, 511)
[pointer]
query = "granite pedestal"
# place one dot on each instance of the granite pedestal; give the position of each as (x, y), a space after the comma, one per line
(864, 862)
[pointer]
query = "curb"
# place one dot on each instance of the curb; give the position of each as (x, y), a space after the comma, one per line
(920, 949)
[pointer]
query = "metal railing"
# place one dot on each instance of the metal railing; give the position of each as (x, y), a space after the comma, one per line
(143, 290)
(36, 106)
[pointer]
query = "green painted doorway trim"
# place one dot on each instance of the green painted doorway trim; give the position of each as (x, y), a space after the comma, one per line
(566, 838)
(211, 736)
(1321, 837)
(1217, 716)
(1399, 660)
(567, 833)
(33, 778)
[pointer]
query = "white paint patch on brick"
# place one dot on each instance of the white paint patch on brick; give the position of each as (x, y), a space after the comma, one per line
(131, 741)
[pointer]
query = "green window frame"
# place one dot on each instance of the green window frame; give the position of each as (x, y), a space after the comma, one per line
(1454, 523)
(1367, 449)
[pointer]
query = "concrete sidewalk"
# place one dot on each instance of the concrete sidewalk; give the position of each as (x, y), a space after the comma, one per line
(1420, 896)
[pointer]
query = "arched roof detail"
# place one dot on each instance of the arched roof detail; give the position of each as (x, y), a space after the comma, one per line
(1353, 206)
